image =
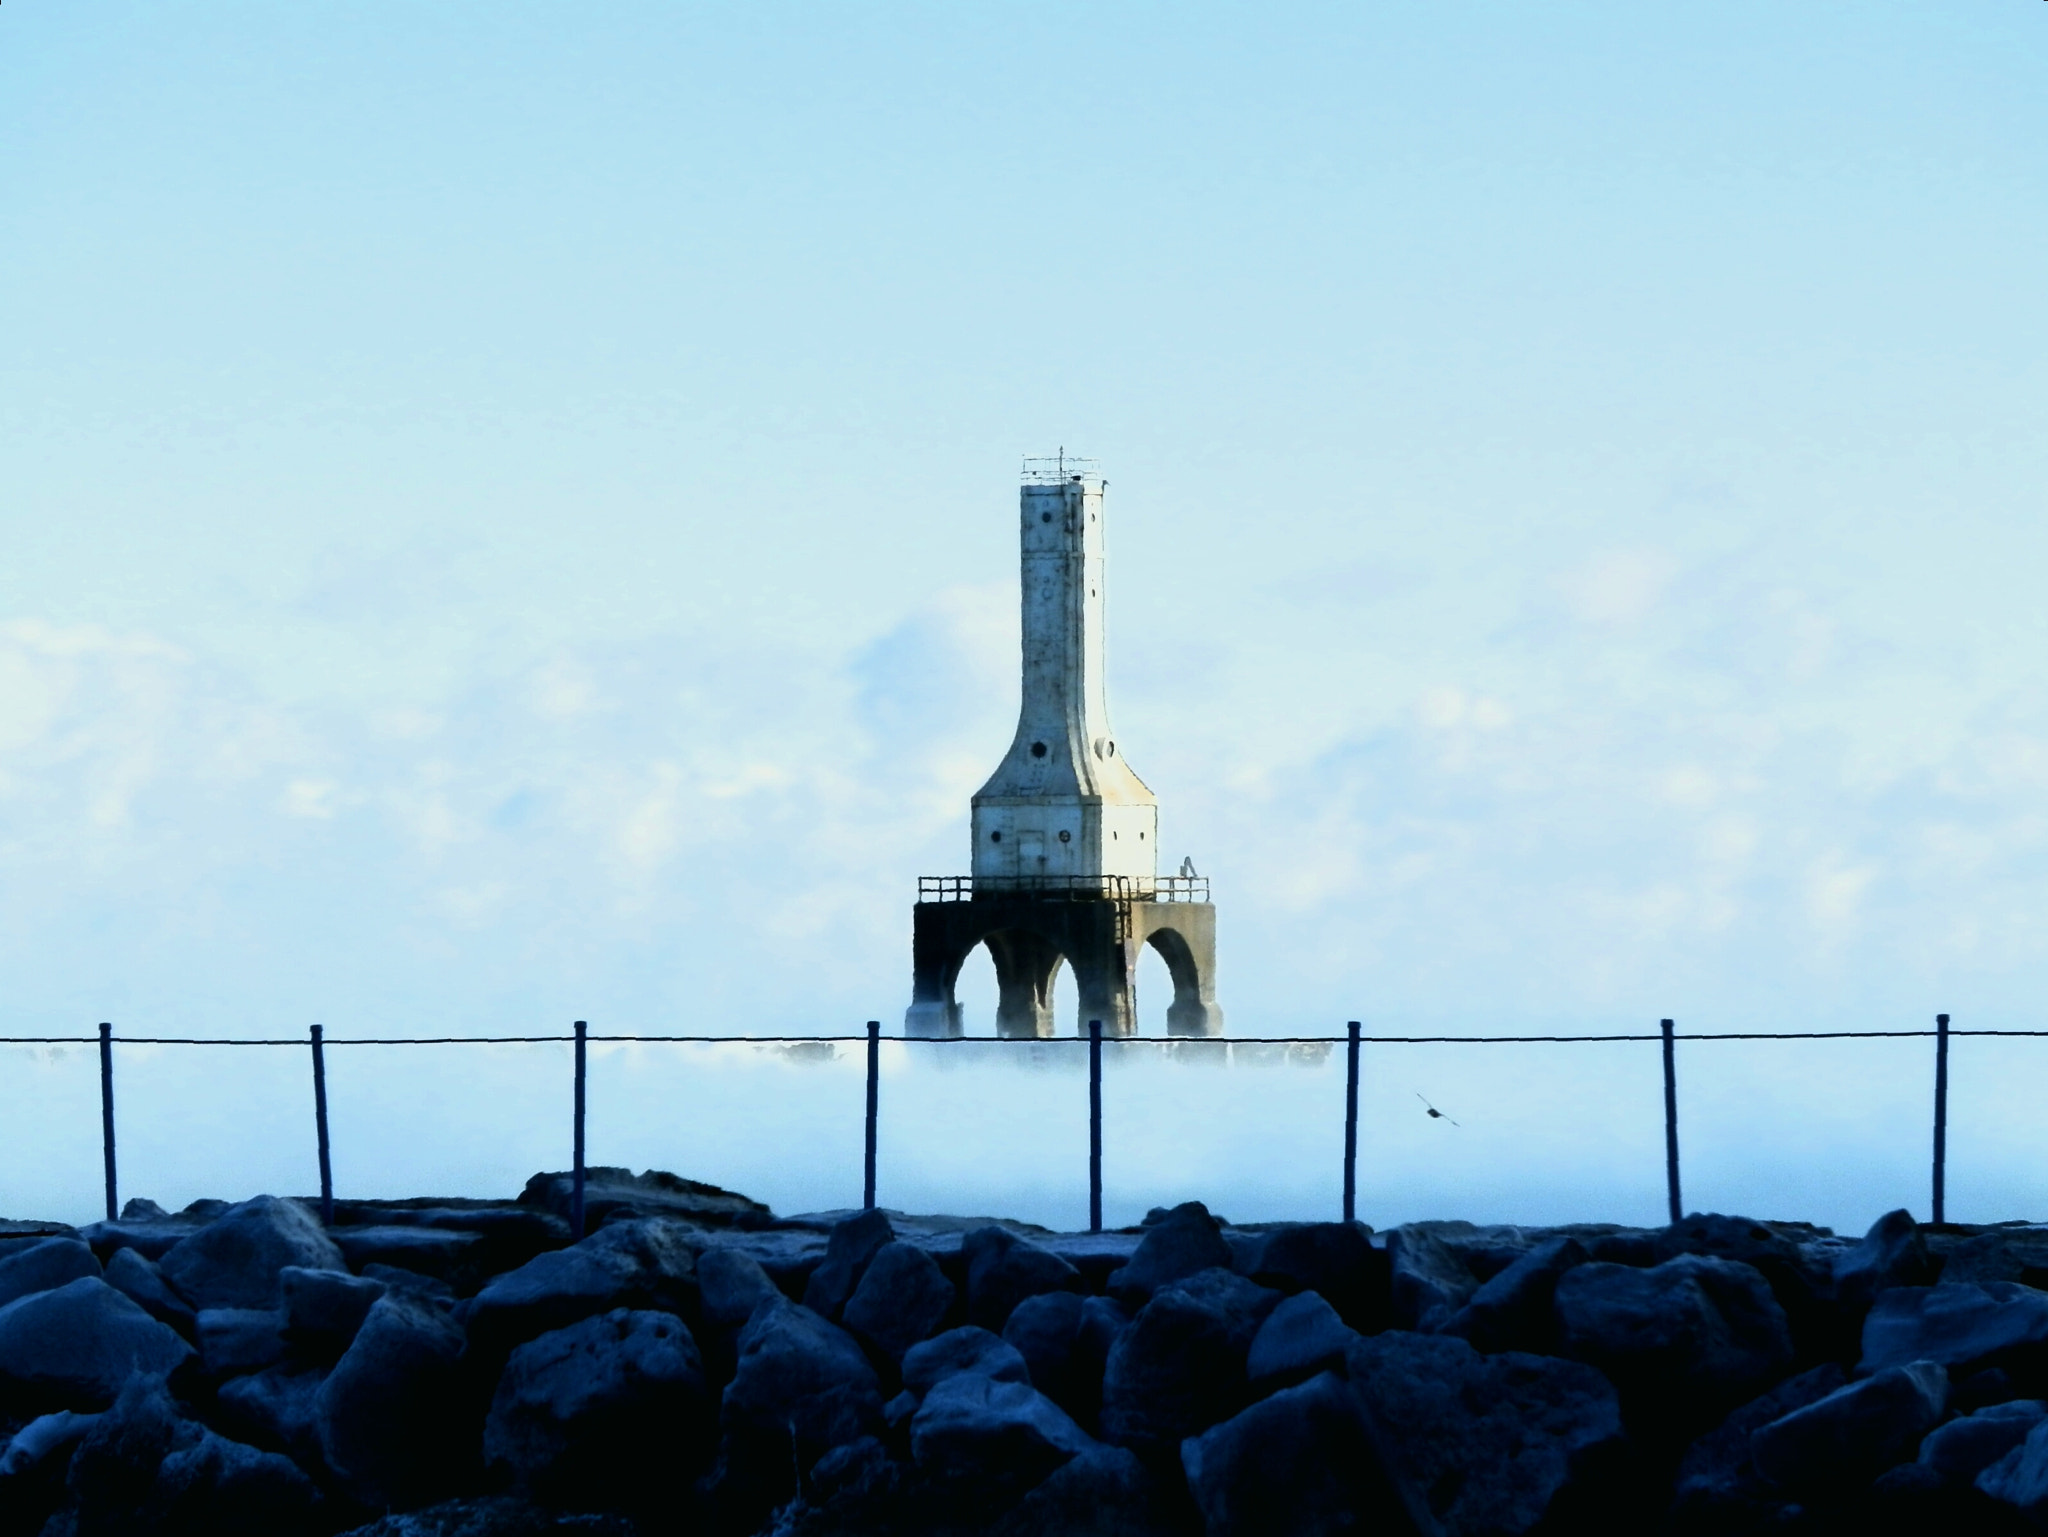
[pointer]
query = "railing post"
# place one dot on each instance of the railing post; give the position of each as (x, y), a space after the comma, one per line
(874, 1101)
(1671, 1123)
(576, 1193)
(320, 1128)
(1351, 1125)
(1094, 1125)
(1941, 1118)
(107, 1114)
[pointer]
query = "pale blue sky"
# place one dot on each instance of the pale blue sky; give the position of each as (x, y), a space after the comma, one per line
(506, 512)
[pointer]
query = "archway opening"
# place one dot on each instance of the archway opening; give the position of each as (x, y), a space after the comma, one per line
(1155, 992)
(976, 992)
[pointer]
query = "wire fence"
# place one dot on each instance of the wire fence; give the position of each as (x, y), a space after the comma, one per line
(1354, 1040)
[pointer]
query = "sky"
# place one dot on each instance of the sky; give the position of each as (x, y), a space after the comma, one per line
(506, 517)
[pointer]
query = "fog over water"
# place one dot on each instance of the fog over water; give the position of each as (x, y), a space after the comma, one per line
(507, 516)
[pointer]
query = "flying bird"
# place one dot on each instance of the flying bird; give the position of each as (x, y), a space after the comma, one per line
(1434, 1113)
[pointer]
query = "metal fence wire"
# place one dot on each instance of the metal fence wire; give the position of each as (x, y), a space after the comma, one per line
(1666, 1038)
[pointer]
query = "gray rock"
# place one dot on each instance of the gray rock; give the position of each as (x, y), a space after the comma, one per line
(388, 1415)
(1245, 1305)
(732, 1284)
(1182, 1242)
(960, 1351)
(136, 1278)
(44, 1266)
(1963, 1326)
(1172, 1374)
(1718, 1488)
(801, 1378)
(233, 1261)
(113, 1472)
(443, 1253)
(323, 1309)
(1065, 1342)
(1300, 1338)
(595, 1411)
(1297, 1462)
(43, 1439)
(852, 1244)
(634, 1264)
(1428, 1281)
(2020, 1478)
(226, 1489)
(1003, 1269)
(235, 1341)
(977, 1427)
(1684, 1341)
(1481, 1444)
(1516, 1309)
(1892, 1253)
(903, 1297)
(1849, 1437)
(1336, 1260)
(1103, 1492)
(2009, 1252)
(1965, 1447)
(276, 1410)
(860, 1469)
(151, 1237)
(656, 1193)
(75, 1346)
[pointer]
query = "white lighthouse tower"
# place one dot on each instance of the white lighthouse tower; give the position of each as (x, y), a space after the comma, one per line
(1065, 834)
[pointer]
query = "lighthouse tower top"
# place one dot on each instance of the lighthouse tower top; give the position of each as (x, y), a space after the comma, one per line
(1063, 802)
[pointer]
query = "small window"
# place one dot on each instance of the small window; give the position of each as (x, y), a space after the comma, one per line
(996, 836)
(1045, 517)
(1038, 749)
(1065, 836)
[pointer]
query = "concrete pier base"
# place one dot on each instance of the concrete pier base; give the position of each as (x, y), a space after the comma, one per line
(1031, 934)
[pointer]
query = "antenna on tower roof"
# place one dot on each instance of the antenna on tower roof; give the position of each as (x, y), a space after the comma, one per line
(1056, 468)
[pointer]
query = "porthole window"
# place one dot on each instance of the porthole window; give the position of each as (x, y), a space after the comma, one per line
(1065, 836)
(1038, 749)
(996, 836)
(1141, 837)
(1045, 517)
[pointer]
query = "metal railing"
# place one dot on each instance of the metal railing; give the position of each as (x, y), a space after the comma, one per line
(1666, 1038)
(1066, 888)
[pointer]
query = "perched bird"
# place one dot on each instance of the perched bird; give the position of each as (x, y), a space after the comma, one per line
(1434, 1113)
(1187, 869)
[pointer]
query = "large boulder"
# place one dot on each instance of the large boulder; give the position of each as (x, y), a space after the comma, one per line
(1516, 1308)
(800, 1379)
(1298, 1461)
(1245, 1305)
(276, 1410)
(1336, 1260)
(608, 1191)
(112, 1477)
(1892, 1253)
(1685, 1341)
(446, 1254)
(323, 1309)
(75, 1346)
(730, 1285)
(1482, 1444)
(848, 1249)
(1428, 1280)
(958, 1352)
(1003, 1269)
(630, 1264)
(233, 1261)
(389, 1415)
(234, 1341)
(138, 1279)
(1849, 1437)
(2008, 1252)
(1103, 1492)
(590, 1414)
(903, 1297)
(44, 1266)
(1177, 1370)
(1718, 1488)
(1963, 1326)
(2019, 1479)
(1300, 1338)
(1965, 1447)
(1065, 1340)
(226, 1489)
(1180, 1243)
(973, 1426)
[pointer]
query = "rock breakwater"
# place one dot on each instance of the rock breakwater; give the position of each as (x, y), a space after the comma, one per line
(430, 1368)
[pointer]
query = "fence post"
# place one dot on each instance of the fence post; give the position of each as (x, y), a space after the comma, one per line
(874, 1100)
(107, 1113)
(1094, 1125)
(1351, 1125)
(320, 1128)
(1671, 1123)
(1941, 1118)
(576, 1191)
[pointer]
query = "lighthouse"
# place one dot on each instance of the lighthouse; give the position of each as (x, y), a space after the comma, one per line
(1064, 866)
